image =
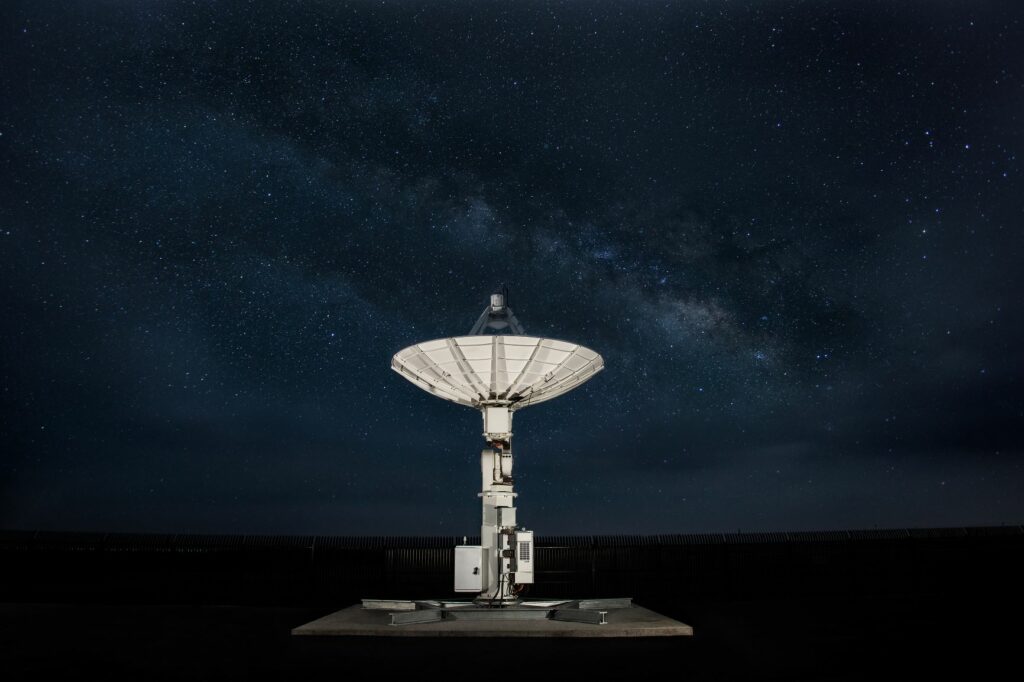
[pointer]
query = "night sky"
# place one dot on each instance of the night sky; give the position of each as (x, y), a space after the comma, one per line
(793, 230)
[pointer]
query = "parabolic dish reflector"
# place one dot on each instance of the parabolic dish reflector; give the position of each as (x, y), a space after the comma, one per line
(497, 370)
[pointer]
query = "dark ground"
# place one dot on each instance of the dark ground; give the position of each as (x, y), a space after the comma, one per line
(960, 615)
(769, 639)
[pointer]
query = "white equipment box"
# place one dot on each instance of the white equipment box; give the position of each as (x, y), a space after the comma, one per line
(524, 557)
(470, 568)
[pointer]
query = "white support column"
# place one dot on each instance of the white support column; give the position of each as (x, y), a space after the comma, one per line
(498, 527)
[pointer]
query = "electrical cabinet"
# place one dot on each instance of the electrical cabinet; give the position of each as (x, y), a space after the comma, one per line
(470, 568)
(524, 557)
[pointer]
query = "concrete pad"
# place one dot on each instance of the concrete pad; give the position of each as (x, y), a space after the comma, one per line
(357, 621)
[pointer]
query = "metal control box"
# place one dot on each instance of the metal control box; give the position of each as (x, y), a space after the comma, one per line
(470, 568)
(524, 557)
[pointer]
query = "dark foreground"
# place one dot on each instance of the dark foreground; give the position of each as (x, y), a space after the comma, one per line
(940, 604)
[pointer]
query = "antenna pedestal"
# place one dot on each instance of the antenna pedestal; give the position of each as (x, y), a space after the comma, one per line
(507, 551)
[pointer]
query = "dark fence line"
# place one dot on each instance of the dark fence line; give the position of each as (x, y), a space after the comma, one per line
(90, 541)
(301, 570)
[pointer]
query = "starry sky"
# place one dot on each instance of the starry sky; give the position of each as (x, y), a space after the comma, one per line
(792, 229)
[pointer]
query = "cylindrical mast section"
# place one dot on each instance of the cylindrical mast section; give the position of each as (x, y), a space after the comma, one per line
(498, 528)
(498, 525)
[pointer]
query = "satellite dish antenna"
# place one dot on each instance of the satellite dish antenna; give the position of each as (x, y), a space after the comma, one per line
(497, 374)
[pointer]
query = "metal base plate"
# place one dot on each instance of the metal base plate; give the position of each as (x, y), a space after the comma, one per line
(552, 618)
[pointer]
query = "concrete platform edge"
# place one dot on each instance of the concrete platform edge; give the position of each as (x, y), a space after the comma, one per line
(355, 621)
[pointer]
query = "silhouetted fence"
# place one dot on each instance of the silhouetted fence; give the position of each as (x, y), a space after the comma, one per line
(308, 570)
